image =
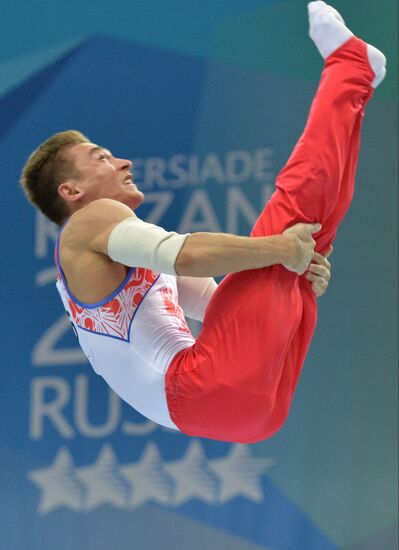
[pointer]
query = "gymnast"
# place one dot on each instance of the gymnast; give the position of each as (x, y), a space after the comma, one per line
(128, 285)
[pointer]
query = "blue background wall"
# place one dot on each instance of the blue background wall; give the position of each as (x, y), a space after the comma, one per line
(212, 86)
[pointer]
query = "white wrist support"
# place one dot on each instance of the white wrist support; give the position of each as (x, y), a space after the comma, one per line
(136, 243)
(194, 295)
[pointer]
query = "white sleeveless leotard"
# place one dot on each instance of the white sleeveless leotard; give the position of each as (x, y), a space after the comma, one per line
(131, 336)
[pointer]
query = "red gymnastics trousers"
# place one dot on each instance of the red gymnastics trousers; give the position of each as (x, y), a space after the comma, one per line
(237, 381)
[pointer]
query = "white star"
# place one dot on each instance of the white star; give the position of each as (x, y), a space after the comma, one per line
(104, 483)
(193, 477)
(59, 484)
(240, 474)
(148, 478)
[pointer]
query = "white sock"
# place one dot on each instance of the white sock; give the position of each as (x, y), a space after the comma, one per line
(378, 62)
(328, 31)
(327, 28)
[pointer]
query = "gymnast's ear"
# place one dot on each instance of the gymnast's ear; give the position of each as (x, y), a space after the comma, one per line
(70, 190)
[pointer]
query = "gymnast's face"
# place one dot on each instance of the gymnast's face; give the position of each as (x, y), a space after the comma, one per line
(99, 175)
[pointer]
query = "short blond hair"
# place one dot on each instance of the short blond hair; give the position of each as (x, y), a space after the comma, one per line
(46, 168)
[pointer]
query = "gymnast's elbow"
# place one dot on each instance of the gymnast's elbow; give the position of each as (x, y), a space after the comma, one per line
(186, 261)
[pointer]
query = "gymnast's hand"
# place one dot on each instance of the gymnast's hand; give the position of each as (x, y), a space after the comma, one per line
(300, 246)
(319, 272)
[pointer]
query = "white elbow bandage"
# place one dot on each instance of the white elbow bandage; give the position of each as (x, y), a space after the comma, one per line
(136, 243)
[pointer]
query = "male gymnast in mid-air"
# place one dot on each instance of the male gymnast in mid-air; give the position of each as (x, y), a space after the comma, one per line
(126, 283)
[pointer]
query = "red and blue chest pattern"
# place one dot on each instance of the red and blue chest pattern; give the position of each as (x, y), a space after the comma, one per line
(114, 317)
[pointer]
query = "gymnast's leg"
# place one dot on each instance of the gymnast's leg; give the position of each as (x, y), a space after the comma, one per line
(237, 381)
(310, 184)
(344, 147)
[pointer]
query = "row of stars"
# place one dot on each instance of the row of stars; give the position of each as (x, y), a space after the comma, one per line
(150, 479)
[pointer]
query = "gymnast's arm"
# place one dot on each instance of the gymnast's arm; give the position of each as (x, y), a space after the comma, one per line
(195, 294)
(111, 228)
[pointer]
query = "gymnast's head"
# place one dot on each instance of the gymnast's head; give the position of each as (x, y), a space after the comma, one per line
(67, 172)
